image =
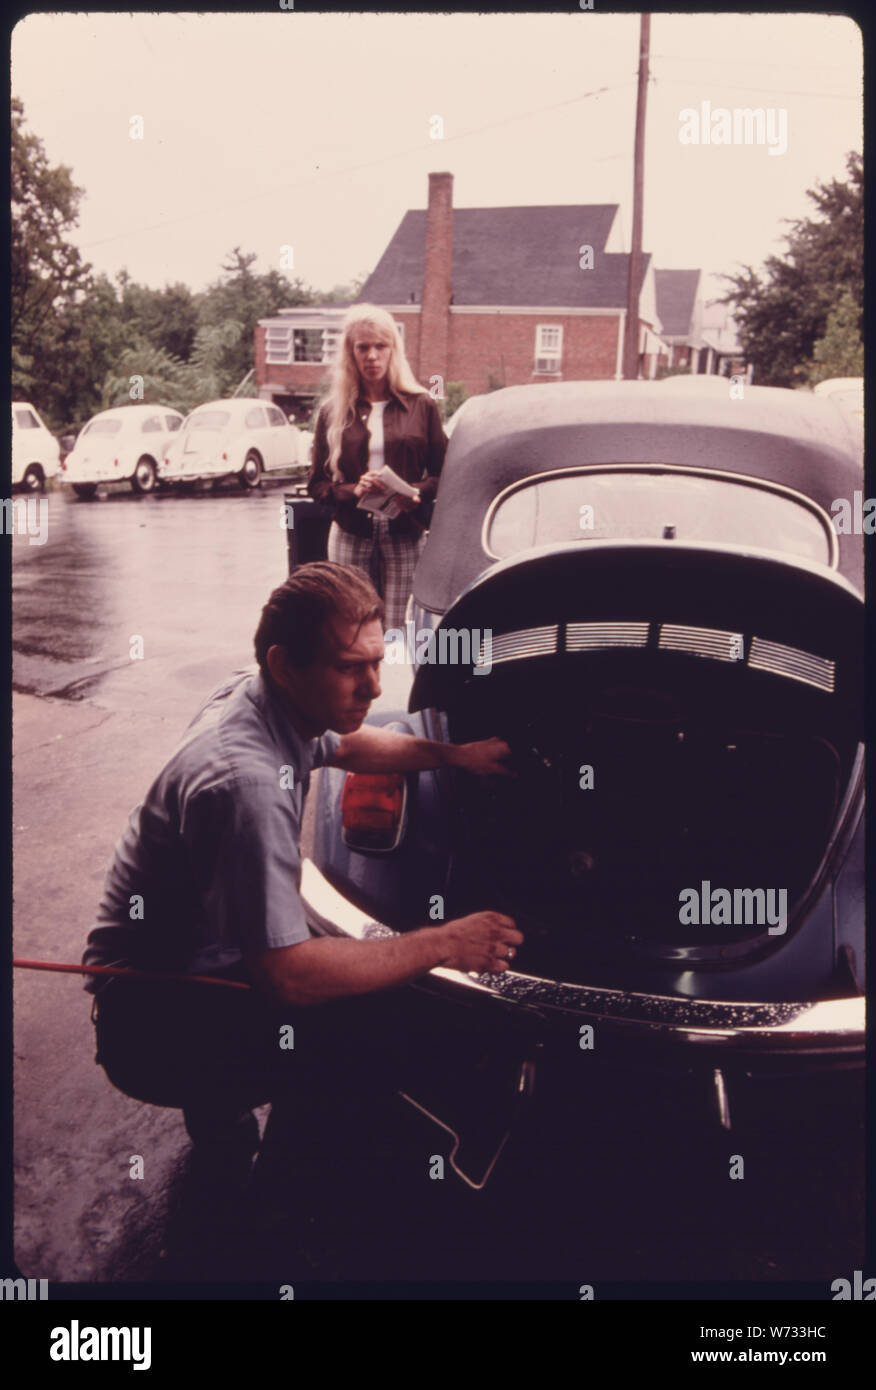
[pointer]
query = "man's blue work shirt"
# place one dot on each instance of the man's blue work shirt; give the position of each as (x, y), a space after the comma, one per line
(209, 865)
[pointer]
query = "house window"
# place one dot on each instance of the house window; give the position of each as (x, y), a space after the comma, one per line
(285, 345)
(315, 344)
(548, 347)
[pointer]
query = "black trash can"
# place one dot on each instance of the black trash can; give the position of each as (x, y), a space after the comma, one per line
(307, 528)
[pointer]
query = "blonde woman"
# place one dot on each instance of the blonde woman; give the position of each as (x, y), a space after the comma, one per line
(376, 413)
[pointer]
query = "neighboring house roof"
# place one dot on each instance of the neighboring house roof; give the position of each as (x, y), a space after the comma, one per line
(676, 298)
(527, 256)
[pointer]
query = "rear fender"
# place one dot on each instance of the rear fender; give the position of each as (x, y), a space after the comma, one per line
(405, 885)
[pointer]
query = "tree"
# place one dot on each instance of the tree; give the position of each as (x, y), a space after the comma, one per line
(783, 311)
(46, 269)
(840, 352)
(342, 294)
(76, 348)
(166, 318)
(243, 297)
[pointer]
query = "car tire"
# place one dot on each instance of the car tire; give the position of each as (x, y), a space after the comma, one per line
(250, 474)
(144, 475)
(34, 479)
(85, 490)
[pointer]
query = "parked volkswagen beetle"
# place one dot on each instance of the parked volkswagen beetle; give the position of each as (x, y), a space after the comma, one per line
(240, 437)
(642, 591)
(120, 445)
(35, 452)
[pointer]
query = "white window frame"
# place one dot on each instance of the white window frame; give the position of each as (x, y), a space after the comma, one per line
(278, 345)
(548, 349)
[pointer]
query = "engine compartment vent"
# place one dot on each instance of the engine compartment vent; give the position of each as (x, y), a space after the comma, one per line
(593, 637)
(702, 641)
(530, 641)
(790, 661)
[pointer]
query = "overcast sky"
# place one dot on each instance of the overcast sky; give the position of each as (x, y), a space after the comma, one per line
(313, 131)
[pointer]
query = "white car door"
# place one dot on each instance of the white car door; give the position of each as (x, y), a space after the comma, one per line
(285, 438)
(33, 447)
(258, 434)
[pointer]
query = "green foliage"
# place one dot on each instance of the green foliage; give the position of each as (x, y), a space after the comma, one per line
(78, 338)
(783, 312)
(343, 294)
(841, 351)
(45, 269)
(243, 297)
(166, 318)
(454, 395)
(663, 371)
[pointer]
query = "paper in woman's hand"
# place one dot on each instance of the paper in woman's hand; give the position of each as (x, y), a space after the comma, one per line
(384, 503)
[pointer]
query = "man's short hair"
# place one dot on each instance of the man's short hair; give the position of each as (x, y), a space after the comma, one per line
(314, 596)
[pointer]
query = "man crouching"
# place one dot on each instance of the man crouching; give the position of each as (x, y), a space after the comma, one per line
(206, 881)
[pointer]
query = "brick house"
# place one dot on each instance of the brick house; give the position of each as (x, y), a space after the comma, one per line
(487, 297)
(680, 306)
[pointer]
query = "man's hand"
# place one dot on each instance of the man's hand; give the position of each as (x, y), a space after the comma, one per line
(487, 758)
(335, 967)
(384, 750)
(484, 941)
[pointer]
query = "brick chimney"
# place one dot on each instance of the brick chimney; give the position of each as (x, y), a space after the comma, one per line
(437, 279)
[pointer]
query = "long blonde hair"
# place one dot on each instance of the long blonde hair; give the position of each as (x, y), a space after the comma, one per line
(346, 385)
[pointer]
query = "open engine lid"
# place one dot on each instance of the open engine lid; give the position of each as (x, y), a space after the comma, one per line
(786, 616)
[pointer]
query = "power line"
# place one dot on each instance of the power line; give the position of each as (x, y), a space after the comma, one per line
(734, 86)
(354, 169)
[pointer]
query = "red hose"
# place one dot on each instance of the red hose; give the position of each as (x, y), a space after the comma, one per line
(127, 972)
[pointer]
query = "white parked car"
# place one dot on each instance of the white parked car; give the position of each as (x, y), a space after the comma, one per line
(241, 437)
(121, 445)
(36, 454)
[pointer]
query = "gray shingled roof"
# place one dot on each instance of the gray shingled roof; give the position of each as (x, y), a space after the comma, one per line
(676, 293)
(527, 256)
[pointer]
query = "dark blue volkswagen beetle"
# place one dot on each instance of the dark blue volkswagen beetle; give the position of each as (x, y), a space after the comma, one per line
(642, 589)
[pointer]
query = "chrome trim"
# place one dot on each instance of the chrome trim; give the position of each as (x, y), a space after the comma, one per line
(835, 1026)
(722, 473)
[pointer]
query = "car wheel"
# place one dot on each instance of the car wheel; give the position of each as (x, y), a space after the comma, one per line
(251, 472)
(144, 475)
(85, 489)
(34, 479)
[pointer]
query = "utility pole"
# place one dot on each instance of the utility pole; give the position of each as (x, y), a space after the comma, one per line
(631, 339)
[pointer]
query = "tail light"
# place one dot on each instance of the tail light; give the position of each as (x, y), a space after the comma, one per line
(115, 463)
(373, 810)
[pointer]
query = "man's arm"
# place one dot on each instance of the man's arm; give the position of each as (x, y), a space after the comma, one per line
(384, 750)
(330, 967)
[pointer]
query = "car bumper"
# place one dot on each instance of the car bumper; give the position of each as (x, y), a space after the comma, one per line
(812, 1032)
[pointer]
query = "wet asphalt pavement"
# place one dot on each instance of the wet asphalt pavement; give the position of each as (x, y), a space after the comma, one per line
(614, 1178)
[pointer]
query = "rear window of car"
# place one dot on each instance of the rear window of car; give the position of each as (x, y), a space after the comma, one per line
(209, 420)
(640, 504)
(255, 419)
(152, 425)
(26, 420)
(276, 416)
(103, 427)
(173, 422)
